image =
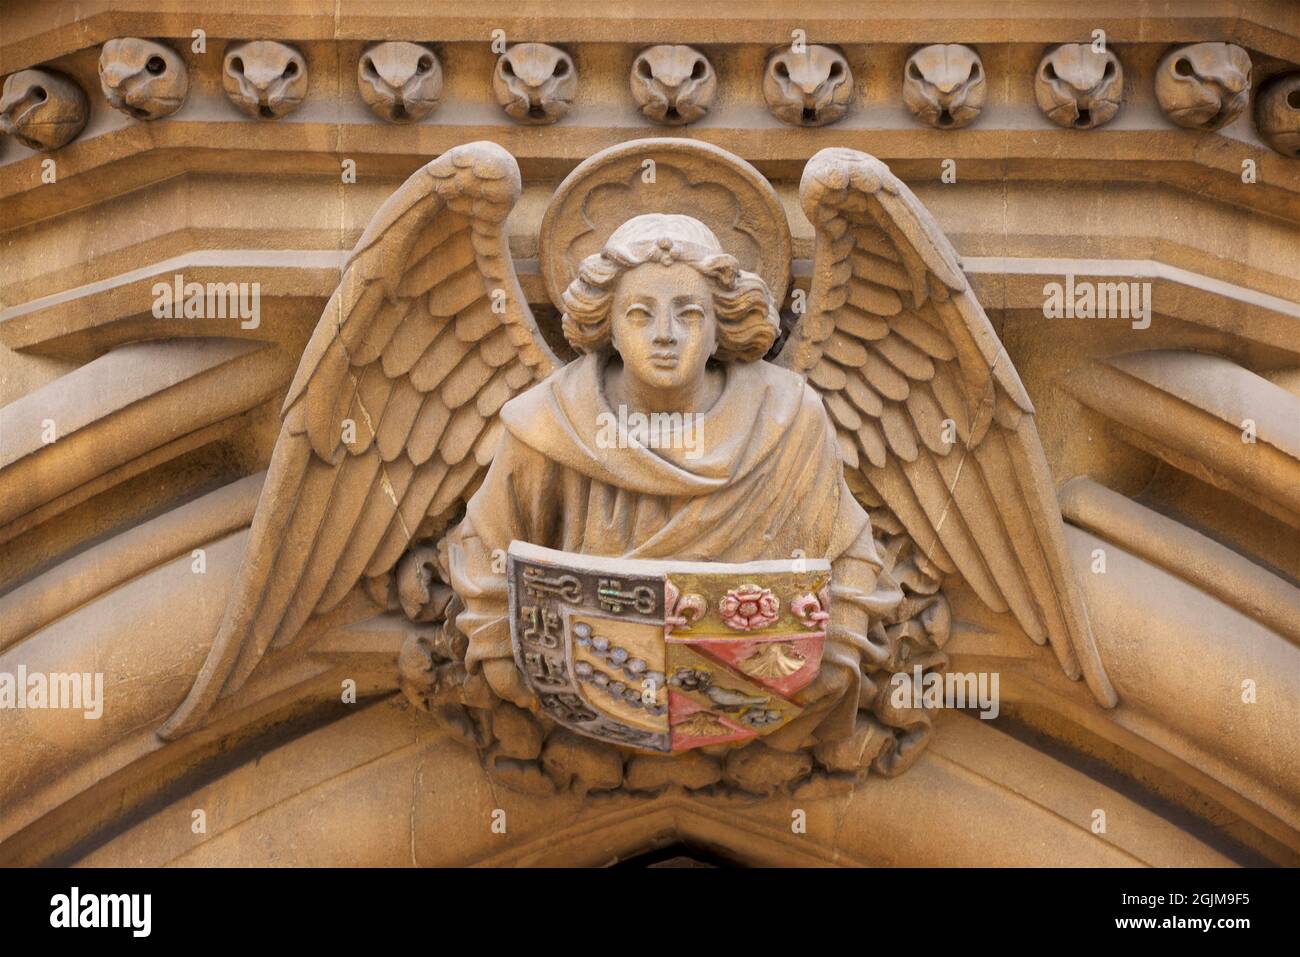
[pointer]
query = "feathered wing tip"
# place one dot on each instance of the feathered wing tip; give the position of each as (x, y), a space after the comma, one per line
(392, 416)
(928, 405)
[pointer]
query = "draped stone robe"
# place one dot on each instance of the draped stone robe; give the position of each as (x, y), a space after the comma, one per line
(765, 482)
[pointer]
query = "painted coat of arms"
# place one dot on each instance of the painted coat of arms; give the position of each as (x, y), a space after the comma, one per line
(667, 656)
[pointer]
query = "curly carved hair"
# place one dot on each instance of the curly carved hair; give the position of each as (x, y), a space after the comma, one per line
(746, 313)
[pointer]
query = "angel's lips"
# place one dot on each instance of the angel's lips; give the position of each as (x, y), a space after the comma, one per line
(664, 360)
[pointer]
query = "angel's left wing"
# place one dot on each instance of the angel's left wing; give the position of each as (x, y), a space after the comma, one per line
(927, 405)
(392, 418)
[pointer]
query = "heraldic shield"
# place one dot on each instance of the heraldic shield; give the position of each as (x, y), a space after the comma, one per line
(667, 656)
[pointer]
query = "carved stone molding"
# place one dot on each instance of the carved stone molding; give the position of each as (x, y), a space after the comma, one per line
(42, 109)
(535, 83)
(944, 85)
(264, 78)
(143, 79)
(401, 82)
(673, 84)
(1078, 87)
(810, 88)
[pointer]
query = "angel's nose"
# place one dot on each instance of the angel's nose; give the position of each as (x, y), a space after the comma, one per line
(665, 328)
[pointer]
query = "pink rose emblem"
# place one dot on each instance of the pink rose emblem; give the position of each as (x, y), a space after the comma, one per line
(748, 607)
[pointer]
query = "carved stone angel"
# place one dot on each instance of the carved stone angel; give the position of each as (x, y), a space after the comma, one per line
(428, 409)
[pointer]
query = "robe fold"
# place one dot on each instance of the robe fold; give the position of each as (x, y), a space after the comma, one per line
(764, 481)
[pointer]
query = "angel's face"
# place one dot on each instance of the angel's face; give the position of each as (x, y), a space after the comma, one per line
(663, 324)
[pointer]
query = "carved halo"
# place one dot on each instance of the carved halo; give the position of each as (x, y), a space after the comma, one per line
(696, 179)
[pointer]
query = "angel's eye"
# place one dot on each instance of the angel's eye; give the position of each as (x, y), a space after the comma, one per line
(692, 312)
(638, 313)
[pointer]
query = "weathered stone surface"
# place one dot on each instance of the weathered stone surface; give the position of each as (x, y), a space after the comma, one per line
(1204, 86)
(535, 83)
(143, 79)
(812, 87)
(673, 84)
(1277, 114)
(692, 771)
(517, 734)
(571, 759)
(759, 769)
(1079, 87)
(944, 85)
(400, 82)
(264, 78)
(526, 777)
(42, 109)
(856, 751)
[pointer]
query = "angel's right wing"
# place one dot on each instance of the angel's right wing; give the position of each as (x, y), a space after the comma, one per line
(392, 417)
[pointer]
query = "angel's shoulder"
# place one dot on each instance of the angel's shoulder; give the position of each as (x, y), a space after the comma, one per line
(790, 386)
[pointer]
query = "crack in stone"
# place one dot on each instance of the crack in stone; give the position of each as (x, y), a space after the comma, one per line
(987, 401)
(416, 779)
(384, 480)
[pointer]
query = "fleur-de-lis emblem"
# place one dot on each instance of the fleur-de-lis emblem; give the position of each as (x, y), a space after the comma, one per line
(681, 611)
(812, 610)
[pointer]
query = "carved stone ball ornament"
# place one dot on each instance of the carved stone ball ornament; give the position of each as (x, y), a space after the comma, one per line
(809, 88)
(42, 109)
(401, 82)
(673, 84)
(1078, 87)
(264, 78)
(1277, 114)
(142, 78)
(535, 82)
(944, 85)
(1204, 86)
